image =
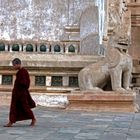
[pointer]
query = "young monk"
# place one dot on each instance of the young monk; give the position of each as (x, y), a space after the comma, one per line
(21, 102)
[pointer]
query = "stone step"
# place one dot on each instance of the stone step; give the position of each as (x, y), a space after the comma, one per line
(102, 102)
(58, 100)
(42, 89)
(5, 98)
(86, 101)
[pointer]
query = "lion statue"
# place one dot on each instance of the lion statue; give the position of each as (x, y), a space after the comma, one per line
(113, 72)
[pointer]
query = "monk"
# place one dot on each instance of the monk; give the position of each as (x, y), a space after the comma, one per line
(21, 102)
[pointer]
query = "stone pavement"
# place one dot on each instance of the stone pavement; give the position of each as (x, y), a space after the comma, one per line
(59, 124)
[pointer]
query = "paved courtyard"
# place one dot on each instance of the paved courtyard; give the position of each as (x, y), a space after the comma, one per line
(59, 124)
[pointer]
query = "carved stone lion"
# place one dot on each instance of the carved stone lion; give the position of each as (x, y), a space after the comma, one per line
(112, 72)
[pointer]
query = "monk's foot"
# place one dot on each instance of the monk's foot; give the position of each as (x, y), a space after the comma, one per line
(8, 124)
(33, 122)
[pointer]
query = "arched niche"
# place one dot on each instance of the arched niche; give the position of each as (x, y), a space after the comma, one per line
(29, 48)
(2, 46)
(15, 47)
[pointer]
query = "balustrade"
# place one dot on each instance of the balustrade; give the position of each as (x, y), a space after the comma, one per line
(52, 48)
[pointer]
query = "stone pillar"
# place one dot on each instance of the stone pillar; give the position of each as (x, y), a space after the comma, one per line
(32, 79)
(6, 47)
(48, 80)
(0, 79)
(65, 81)
(14, 78)
(89, 31)
(106, 20)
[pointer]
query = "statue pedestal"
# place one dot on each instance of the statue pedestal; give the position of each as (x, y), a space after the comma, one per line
(106, 101)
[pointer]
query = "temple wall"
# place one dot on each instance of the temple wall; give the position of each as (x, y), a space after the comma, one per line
(134, 6)
(135, 18)
(56, 24)
(39, 20)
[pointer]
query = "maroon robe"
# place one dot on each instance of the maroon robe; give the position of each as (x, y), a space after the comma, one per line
(21, 102)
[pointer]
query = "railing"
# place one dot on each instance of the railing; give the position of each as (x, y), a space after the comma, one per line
(49, 47)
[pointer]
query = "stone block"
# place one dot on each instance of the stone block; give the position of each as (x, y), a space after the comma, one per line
(89, 31)
(90, 45)
(107, 101)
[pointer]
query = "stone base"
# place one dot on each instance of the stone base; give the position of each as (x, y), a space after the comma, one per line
(86, 101)
(107, 101)
(51, 100)
(55, 100)
(5, 99)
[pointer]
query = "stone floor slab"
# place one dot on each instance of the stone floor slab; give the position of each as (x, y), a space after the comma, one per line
(60, 124)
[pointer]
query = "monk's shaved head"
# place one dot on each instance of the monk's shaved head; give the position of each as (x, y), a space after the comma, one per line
(16, 61)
